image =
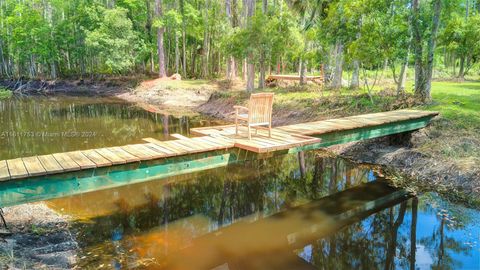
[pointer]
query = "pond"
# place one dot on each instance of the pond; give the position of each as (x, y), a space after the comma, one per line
(267, 215)
(51, 124)
(328, 213)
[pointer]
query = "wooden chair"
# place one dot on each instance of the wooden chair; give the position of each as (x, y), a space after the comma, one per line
(257, 115)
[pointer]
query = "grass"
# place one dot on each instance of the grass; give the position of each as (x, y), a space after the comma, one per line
(5, 93)
(458, 102)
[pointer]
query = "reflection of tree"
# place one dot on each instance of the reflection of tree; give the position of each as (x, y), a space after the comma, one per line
(392, 245)
(442, 247)
(369, 244)
(226, 195)
(413, 233)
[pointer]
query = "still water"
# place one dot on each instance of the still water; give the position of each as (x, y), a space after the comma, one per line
(45, 124)
(269, 215)
(327, 213)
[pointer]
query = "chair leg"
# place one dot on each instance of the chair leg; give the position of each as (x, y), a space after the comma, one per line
(236, 126)
(270, 131)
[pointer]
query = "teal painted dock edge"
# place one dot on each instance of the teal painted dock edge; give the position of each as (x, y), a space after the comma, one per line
(54, 186)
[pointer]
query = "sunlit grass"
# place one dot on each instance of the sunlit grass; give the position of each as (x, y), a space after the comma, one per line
(459, 102)
(4, 93)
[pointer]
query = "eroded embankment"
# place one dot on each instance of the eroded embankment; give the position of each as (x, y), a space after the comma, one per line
(40, 239)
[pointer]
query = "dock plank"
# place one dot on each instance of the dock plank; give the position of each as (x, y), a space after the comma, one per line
(81, 160)
(16, 168)
(172, 148)
(34, 166)
(117, 150)
(4, 174)
(158, 148)
(98, 159)
(111, 156)
(179, 147)
(50, 164)
(178, 136)
(139, 151)
(67, 163)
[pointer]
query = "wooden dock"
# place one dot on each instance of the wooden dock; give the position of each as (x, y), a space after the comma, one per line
(298, 136)
(273, 78)
(29, 179)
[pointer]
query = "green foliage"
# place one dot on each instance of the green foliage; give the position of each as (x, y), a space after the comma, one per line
(461, 36)
(50, 38)
(5, 93)
(115, 41)
(275, 34)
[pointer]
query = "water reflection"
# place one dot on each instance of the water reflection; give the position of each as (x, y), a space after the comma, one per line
(43, 125)
(268, 214)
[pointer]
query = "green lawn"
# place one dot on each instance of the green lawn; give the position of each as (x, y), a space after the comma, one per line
(459, 102)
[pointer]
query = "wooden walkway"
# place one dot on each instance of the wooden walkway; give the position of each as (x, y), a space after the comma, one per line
(272, 78)
(301, 136)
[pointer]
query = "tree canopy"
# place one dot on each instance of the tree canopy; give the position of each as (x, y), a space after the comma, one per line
(214, 38)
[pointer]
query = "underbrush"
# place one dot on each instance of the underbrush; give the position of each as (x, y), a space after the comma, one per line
(5, 93)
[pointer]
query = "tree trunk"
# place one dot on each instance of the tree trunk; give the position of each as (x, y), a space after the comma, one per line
(205, 54)
(418, 50)
(250, 74)
(148, 29)
(261, 78)
(402, 78)
(437, 8)
(355, 82)
(177, 54)
(184, 40)
(231, 11)
(461, 72)
(250, 64)
(303, 71)
(337, 76)
(161, 51)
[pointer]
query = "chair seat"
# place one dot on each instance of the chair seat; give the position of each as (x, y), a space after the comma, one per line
(243, 116)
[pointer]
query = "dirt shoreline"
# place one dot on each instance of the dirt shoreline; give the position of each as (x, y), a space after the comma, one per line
(40, 239)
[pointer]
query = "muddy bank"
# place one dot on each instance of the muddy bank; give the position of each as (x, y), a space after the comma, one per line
(40, 239)
(158, 95)
(409, 154)
(426, 172)
(221, 107)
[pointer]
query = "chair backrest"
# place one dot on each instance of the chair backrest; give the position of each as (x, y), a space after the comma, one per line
(260, 108)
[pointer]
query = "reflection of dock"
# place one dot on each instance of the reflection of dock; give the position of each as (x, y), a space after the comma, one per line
(269, 243)
(216, 147)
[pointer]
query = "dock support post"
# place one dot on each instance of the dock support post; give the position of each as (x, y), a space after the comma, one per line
(3, 219)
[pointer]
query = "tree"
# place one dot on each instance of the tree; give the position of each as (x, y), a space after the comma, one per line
(424, 63)
(250, 65)
(114, 41)
(461, 36)
(160, 31)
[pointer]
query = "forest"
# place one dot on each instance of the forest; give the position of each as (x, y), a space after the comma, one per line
(351, 42)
